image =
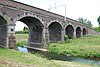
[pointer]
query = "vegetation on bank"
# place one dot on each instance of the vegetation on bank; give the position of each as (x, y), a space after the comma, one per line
(22, 43)
(97, 29)
(13, 58)
(86, 47)
(21, 37)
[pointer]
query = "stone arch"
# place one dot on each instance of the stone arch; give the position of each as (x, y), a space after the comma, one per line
(78, 32)
(69, 30)
(55, 32)
(35, 31)
(54, 21)
(30, 15)
(84, 31)
(3, 31)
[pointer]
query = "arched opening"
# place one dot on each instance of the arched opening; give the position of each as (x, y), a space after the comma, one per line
(78, 32)
(55, 32)
(84, 31)
(21, 34)
(3, 31)
(69, 31)
(35, 27)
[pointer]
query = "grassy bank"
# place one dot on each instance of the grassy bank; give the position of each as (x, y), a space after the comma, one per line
(22, 37)
(87, 47)
(13, 58)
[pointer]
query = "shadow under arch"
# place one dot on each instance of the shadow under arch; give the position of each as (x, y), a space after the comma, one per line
(69, 30)
(35, 31)
(84, 31)
(78, 32)
(55, 32)
(3, 31)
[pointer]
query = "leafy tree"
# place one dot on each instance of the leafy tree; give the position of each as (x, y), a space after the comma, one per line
(98, 19)
(25, 29)
(97, 29)
(85, 21)
(80, 20)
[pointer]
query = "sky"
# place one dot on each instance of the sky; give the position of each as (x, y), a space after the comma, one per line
(87, 9)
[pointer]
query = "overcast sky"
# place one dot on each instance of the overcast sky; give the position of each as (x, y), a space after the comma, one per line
(87, 9)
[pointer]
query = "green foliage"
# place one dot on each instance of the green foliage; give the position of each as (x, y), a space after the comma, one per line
(22, 43)
(66, 38)
(98, 19)
(22, 32)
(25, 31)
(85, 21)
(87, 47)
(97, 29)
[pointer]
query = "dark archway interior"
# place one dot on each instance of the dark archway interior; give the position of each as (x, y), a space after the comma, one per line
(84, 31)
(3, 31)
(78, 32)
(35, 30)
(55, 32)
(69, 31)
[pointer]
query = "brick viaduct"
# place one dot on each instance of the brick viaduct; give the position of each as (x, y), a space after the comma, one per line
(44, 26)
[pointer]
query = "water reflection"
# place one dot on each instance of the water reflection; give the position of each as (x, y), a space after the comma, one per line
(23, 49)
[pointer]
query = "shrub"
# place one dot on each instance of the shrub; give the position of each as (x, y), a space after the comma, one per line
(22, 43)
(66, 39)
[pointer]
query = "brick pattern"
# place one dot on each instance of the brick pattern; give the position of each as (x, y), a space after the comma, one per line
(38, 11)
(10, 12)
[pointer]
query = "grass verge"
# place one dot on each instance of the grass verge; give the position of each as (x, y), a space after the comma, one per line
(86, 47)
(13, 58)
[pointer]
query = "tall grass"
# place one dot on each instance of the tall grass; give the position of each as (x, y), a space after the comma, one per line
(87, 47)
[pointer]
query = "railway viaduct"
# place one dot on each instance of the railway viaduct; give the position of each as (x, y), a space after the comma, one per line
(44, 26)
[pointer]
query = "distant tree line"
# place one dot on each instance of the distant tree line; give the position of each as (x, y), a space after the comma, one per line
(24, 31)
(85, 21)
(98, 28)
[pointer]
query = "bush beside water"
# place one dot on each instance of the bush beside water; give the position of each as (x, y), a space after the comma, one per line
(22, 43)
(86, 47)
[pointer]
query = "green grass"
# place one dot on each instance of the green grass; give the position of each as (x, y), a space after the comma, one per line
(13, 58)
(22, 37)
(87, 47)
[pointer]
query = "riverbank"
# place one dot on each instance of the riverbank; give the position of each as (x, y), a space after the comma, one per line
(85, 47)
(13, 58)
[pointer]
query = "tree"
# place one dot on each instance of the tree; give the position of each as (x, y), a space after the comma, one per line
(85, 21)
(98, 20)
(25, 29)
(97, 29)
(80, 19)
